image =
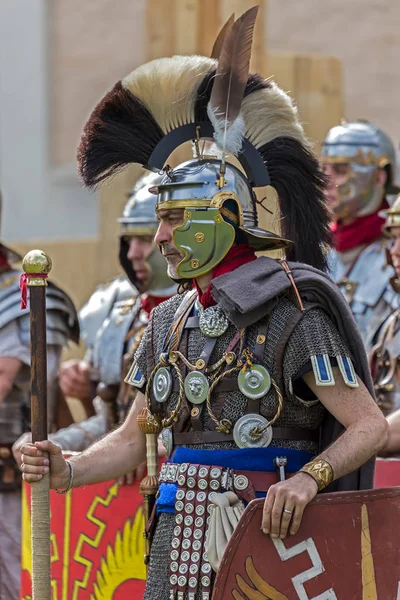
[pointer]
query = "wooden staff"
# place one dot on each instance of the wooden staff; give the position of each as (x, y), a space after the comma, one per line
(149, 485)
(36, 266)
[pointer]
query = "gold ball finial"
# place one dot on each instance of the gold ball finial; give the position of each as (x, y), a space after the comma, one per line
(37, 261)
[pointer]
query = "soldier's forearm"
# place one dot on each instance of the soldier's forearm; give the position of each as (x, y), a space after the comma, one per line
(359, 443)
(118, 453)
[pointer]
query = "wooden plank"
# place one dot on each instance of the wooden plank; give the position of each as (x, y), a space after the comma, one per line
(187, 31)
(160, 28)
(316, 85)
(209, 25)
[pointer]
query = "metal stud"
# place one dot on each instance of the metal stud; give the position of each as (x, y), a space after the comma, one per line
(186, 544)
(188, 520)
(183, 467)
(215, 472)
(198, 534)
(180, 494)
(187, 532)
(192, 471)
(214, 484)
(174, 567)
(203, 472)
(185, 556)
(196, 546)
(189, 508)
(174, 555)
(200, 510)
(177, 531)
(175, 543)
(191, 482)
(190, 495)
(181, 480)
(183, 569)
(179, 519)
(203, 484)
(195, 557)
(173, 580)
(179, 506)
(201, 496)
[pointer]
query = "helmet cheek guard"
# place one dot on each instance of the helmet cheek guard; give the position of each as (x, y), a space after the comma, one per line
(204, 238)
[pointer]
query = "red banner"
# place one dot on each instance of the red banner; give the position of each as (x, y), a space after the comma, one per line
(97, 543)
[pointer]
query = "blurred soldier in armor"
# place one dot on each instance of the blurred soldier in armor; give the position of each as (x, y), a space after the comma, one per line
(359, 159)
(385, 354)
(62, 326)
(112, 324)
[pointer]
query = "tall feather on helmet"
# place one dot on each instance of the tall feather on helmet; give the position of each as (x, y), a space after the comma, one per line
(168, 101)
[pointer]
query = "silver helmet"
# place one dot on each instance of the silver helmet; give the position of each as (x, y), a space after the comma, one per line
(213, 214)
(139, 219)
(364, 148)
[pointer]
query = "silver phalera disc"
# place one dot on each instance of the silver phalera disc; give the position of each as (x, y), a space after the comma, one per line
(162, 384)
(167, 440)
(245, 436)
(196, 387)
(213, 322)
(255, 382)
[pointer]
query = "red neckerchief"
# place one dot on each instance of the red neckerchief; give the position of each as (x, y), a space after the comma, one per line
(150, 302)
(362, 231)
(237, 256)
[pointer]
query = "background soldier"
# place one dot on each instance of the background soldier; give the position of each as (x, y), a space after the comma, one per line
(359, 159)
(235, 370)
(112, 324)
(385, 354)
(62, 326)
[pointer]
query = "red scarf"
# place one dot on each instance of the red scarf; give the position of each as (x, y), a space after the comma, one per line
(150, 302)
(237, 256)
(364, 230)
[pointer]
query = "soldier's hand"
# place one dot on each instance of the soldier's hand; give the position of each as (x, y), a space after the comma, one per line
(17, 446)
(285, 504)
(35, 463)
(74, 379)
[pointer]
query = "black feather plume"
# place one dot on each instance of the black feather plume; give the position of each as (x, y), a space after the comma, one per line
(300, 184)
(119, 131)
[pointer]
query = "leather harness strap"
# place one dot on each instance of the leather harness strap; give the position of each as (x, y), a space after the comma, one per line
(279, 433)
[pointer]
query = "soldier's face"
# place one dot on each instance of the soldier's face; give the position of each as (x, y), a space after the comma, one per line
(395, 248)
(337, 174)
(169, 219)
(140, 248)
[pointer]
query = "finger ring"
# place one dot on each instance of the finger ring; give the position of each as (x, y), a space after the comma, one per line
(287, 511)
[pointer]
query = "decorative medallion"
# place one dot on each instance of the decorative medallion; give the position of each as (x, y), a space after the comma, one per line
(255, 382)
(245, 432)
(213, 322)
(162, 384)
(196, 387)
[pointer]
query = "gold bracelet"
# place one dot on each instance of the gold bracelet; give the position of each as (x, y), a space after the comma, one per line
(321, 471)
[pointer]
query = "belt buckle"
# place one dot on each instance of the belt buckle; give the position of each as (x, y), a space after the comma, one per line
(227, 479)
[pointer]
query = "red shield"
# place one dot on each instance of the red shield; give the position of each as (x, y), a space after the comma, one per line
(387, 472)
(347, 548)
